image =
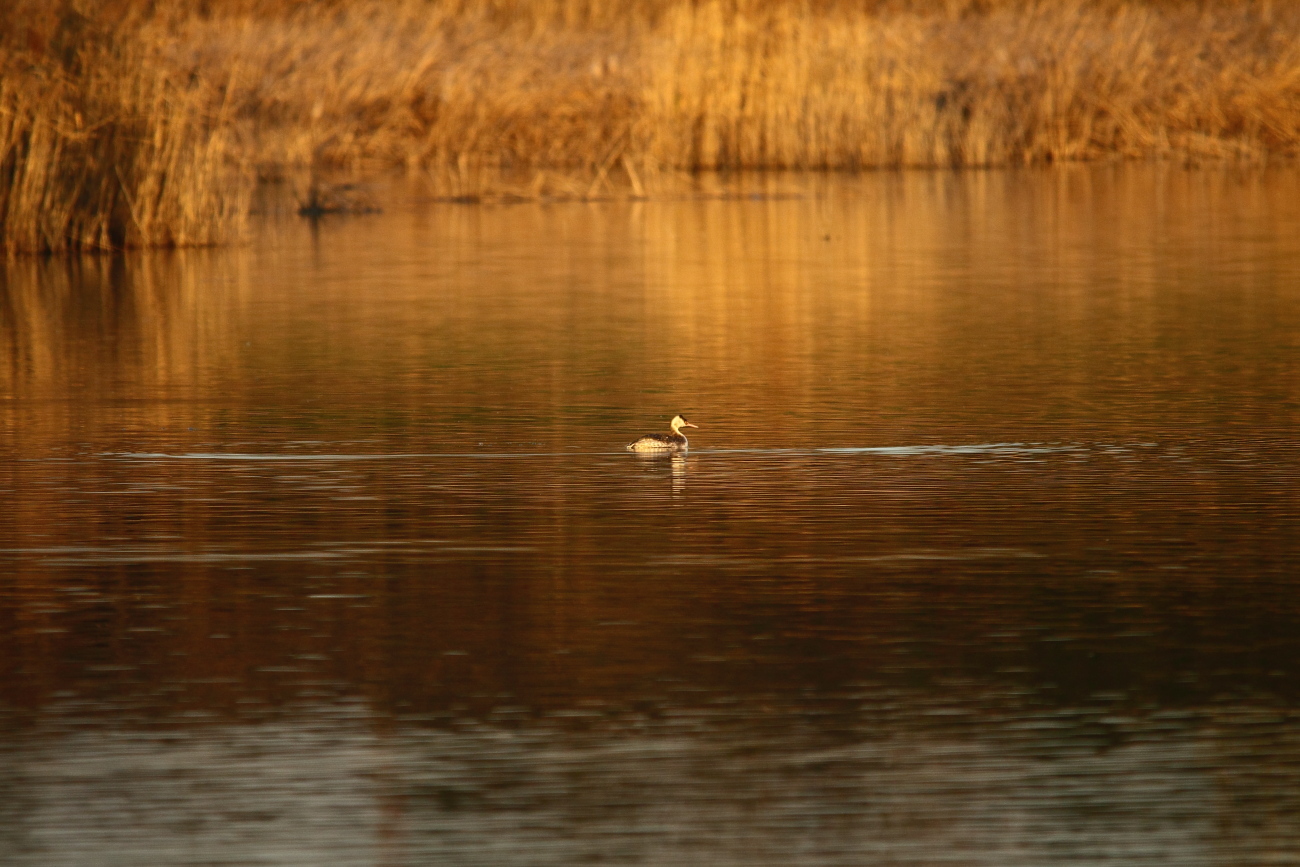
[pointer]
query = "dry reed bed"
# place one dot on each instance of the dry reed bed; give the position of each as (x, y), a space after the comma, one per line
(103, 147)
(1057, 81)
(150, 132)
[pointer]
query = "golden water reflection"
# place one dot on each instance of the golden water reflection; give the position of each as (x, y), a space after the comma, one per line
(920, 294)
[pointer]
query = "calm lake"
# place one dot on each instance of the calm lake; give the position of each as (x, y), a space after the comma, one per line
(325, 549)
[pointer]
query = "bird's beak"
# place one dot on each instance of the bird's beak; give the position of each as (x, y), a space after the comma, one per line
(688, 424)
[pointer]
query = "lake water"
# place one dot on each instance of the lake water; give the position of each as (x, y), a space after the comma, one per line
(325, 550)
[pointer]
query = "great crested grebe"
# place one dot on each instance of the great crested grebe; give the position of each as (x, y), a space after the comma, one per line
(673, 442)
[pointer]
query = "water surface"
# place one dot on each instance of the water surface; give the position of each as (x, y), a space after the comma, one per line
(325, 549)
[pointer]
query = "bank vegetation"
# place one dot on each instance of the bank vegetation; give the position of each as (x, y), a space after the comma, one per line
(132, 123)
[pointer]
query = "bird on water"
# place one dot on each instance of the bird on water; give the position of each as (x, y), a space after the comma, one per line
(673, 442)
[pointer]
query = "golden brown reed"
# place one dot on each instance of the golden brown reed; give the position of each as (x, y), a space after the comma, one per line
(103, 146)
(1015, 84)
(144, 137)
(744, 84)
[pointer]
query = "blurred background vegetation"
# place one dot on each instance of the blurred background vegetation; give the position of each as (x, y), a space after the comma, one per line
(136, 123)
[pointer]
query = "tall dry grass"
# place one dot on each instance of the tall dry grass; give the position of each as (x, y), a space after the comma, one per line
(102, 146)
(145, 126)
(748, 84)
(1016, 83)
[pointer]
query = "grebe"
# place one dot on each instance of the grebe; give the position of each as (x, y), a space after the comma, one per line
(673, 442)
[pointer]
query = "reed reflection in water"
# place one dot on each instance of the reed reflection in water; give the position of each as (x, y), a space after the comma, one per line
(326, 550)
